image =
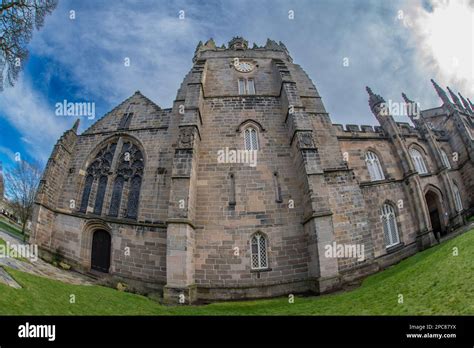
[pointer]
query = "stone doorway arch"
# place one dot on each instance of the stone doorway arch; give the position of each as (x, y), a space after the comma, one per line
(87, 244)
(433, 200)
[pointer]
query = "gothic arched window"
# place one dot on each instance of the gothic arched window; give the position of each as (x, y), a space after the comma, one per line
(418, 161)
(128, 171)
(457, 198)
(374, 167)
(445, 159)
(116, 196)
(259, 251)
(251, 138)
(86, 193)
(390, 229)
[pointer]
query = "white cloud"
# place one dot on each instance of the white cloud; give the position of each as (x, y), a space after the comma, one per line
(28, 112)
(93, 48)
(444, 38)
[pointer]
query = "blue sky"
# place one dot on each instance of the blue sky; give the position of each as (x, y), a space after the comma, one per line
(392, 46)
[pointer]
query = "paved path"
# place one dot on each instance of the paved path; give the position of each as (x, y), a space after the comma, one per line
(5, 278)
(37, 267)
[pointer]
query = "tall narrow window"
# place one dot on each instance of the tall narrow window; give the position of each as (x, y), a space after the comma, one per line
(116, 196)
(276, 182)
(457, 198)
(133, 197)
(232, 190)
(99, 198)
(86, 193)
(246, 86)
(390, 229)
(418, 161)
(250, 86)
(374, 167)
(251, 139)
(127, 117)
(445, 159)
(242, 86)
(259, 251)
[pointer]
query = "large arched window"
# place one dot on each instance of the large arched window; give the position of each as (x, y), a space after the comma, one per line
(259, 251)
(457, 198)
(128, 173)
(374, 167)
(418, 161)
(251, 138)
(389, 222)
(445, 159)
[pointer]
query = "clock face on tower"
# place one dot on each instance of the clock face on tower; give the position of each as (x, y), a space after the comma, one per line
(244, 66)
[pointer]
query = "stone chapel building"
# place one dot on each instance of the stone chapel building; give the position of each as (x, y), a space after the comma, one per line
(141, 196)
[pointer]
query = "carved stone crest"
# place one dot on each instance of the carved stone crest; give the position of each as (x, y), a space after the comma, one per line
(305, 140)
(186, 138)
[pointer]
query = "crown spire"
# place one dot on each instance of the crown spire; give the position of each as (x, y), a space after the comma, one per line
(413, 110)
(374, 100)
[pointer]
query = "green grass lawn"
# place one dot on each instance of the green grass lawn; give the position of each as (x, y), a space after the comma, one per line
(9, 227)
(431, 282)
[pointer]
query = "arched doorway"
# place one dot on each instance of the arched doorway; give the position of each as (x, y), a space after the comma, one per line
(100, 255)
(435, 210)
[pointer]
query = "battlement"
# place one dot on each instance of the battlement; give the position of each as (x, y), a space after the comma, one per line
(368, 131)
(239, 44)
(354, 129)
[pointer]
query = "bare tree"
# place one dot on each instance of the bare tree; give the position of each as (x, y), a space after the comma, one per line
(18, 19)
(21, 183)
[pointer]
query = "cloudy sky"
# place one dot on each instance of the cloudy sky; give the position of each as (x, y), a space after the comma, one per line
(392, 46)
